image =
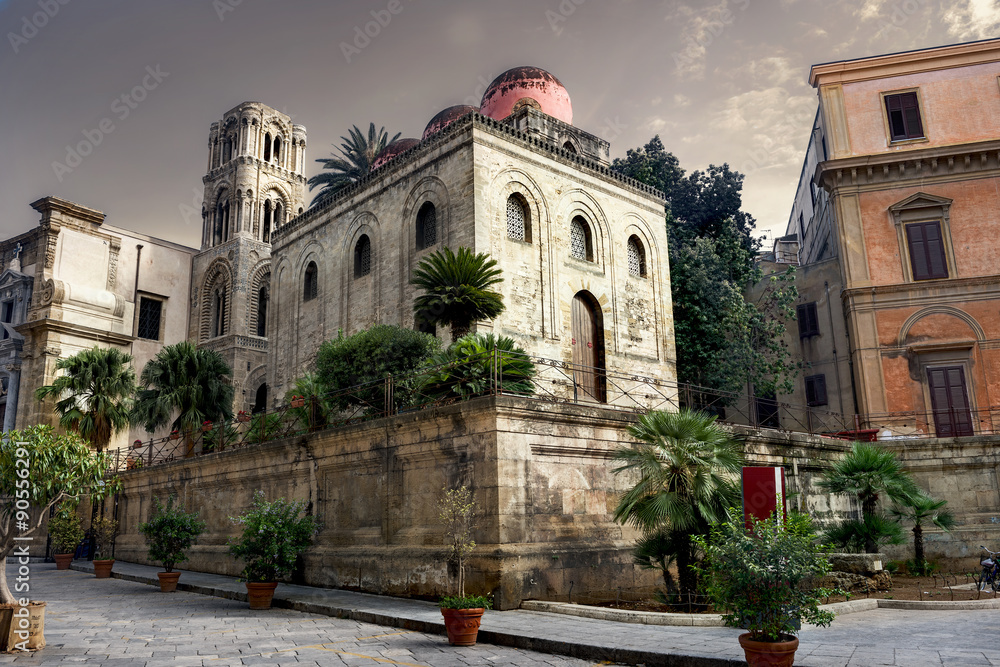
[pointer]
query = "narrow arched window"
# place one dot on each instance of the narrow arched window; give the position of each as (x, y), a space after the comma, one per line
(636, 257)
(363, 257)
(569, 147)
(310, 286)
(267, 147)
(268, 223)
(262, 298)
(219, 312)
(426, 226)
(279, 215)
(518, 222)
(277, 150)
(580, 244)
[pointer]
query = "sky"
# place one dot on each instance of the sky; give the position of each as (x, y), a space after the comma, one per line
(135, 84)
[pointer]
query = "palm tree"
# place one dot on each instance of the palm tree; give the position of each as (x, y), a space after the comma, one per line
(920, 509)
(191, 383)
(686, 465)
(457, 289)
(357, 154)
(867, 472)
(95, 394)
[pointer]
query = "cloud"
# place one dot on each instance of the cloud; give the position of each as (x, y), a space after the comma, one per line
(681, 101)
(971, 19)
(767, 71)
(699, 30)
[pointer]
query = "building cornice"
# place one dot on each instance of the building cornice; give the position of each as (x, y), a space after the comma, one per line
(46, 205)
(85, 332)
(923, 293)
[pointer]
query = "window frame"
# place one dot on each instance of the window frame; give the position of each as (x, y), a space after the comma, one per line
(140, 297)
(808, 331)
(522, 201)
(820, 395)
(887, 124)
(359, 271)
(643, 261)
(588, 239)
(310, 290)
(922, 207)
(420, 226)
(910, 227)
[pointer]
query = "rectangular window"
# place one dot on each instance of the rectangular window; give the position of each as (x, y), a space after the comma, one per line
(6, 316)
(816, 390)
(149, 318)
(903, 113)
(949, 401)
(927, 258)
(808, 321)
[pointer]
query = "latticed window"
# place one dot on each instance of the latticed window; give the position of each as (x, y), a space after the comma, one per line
(426, 226)
(516, 227)
(310, 287)
(636, 257)
(577, 239)
(149, 319)
(363, 257)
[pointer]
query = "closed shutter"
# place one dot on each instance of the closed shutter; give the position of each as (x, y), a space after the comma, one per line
(816, 390)
(904, 116)
(808, 320)
(949, 401)
(926, 246)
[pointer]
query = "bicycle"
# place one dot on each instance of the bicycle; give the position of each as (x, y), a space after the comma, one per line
(990, 576)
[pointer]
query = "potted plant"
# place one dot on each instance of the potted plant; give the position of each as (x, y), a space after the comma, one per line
(170, 532)
(273, 537)
(65, 532)
(462, 613)
(242, 416)
(759, 576)
(175, 434)
(206, 426)
(298, 401)
(105, 530)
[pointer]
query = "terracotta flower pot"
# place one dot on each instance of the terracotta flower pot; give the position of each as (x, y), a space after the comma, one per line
(462, 625)
(260, 594)
(769, 654)
(63, 561)
(102, 568)
(168, 581)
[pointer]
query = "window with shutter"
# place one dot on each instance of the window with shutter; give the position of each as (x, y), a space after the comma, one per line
(808, 320)
(816, 390)
(926, 247)
(903, 112)
(949, 401)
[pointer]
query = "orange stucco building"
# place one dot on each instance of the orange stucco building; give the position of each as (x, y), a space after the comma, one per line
(909, 170)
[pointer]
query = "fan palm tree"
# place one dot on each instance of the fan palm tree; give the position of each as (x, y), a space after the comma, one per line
(921, 509)
(867, 472)
(189, 384)
(94, 395)
(457, 289)
(357, 153)
(686, 465)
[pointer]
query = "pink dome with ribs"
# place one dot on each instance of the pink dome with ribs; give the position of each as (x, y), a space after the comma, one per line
(527, 82)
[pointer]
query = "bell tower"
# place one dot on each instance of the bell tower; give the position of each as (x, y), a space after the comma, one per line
(254, 185)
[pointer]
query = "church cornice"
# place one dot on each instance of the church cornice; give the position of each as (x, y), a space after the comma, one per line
(69, 328)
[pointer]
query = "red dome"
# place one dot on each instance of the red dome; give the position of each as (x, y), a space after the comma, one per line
(445, 118)
(527, 82)
(392, 150)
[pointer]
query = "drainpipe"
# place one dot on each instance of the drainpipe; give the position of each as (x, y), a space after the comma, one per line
(833, 337)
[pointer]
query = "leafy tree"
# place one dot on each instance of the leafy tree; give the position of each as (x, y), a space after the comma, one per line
(95, 394)
(686, 464)
(361, 362)
(868, 472)
(919, 510)
(457, 289)
(184, 386)
(456, 510)
(170, 532)
(39, 469)
(357, 154)
(468, 366)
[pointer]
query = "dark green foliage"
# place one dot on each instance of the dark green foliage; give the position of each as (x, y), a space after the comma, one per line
(273, 537)
(170, 532)
(658, 551)
(457, 289)
(466, 602)
(316, 412)
(756, 577)
(264, 426)
(105, 530)
(94, 395)
(468, 366)
(919, 510)
(363, 361)
(686, 463)
(189, 382)
(869, 534)
(219, 437)
(357, 153)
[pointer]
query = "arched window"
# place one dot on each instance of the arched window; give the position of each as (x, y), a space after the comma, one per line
(268, 223)
(518, 222)
(568, 146)
(279, 215)
(636, 257)
(310, 286)
(220, 232)
(363, 257)
(580, 244)
(426, 226)
(277, 150)
(267, 147)
(219, 312)
(260, 400)
(262, 299)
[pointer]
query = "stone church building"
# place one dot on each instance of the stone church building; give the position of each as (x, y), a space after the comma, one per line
(582, 249)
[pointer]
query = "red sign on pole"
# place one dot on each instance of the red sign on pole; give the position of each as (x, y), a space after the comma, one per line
(763, 490)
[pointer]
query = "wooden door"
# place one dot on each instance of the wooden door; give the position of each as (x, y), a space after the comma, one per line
(949, 401)
(588, 351)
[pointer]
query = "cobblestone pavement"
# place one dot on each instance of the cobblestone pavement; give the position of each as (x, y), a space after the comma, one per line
(118, 623)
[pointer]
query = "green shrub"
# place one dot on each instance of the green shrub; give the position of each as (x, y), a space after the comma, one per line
(273, 537)
(466, 602)
(852, 535)
(170, 532)
(105, 530)
(468, 366)
(315, 413)
(65, 529)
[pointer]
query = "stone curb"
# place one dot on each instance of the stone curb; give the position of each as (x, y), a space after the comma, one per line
(624, 615)
(940, 605)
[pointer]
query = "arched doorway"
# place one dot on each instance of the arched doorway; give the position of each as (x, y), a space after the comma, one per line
(589, 382)
(260, 400)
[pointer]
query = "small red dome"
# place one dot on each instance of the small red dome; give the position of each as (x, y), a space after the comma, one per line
(527, 82)
(445, 118)
(392, 150)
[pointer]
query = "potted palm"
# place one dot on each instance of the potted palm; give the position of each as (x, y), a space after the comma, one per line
(274, 534)
(462, 613)
(170, 532)
(759, 578)
(104, 530)
(65, 532)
